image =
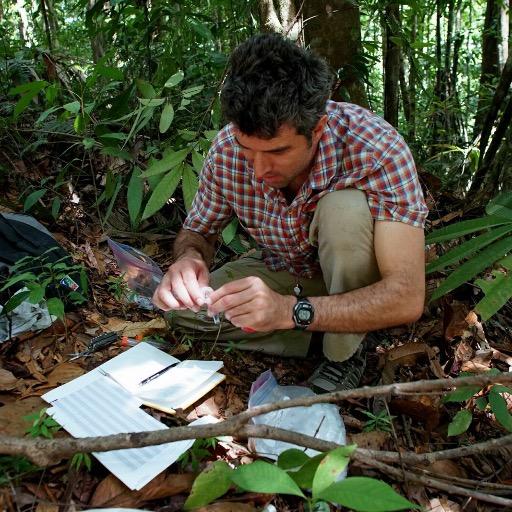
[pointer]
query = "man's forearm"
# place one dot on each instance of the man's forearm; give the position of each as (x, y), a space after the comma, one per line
(383, 304)
(190, 243)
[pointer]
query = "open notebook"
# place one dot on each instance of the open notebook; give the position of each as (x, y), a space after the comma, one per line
(107, 401)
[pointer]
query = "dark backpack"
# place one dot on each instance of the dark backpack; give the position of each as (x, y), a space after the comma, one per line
(22, 236)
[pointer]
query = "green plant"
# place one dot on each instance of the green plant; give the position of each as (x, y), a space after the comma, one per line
(199, 451)
(39, 276)
(81, 458)
(481, 399)
(42, 425)
(14, 468)
(381, 421)
(489, 248)
(314, 479)
(118, 287)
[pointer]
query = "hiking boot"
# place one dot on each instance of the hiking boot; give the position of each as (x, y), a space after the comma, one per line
(333, 376)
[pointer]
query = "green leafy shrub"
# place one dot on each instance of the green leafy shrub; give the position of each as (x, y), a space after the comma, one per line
(313, 479)
(490, 244)
(492, 399)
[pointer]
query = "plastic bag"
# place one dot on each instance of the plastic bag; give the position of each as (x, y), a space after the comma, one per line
(141, 273)
(320, 420)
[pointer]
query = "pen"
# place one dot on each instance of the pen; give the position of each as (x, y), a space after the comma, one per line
(158, 373)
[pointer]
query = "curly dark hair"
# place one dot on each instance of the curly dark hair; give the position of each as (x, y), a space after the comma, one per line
(270, 82)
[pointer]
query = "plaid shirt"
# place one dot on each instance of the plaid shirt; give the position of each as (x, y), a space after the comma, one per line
(357, 150)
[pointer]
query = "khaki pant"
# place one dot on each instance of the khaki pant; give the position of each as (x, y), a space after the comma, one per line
(342, 228)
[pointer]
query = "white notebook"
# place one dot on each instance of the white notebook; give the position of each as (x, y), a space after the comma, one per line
(107, 401)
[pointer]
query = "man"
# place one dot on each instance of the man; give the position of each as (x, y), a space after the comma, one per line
(328, 190)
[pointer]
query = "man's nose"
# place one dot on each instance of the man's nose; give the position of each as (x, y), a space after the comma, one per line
(260, 164)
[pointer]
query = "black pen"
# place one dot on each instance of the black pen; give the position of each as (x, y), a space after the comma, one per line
(158, 373)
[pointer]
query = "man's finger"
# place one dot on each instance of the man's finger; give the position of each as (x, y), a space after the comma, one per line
(180, 291)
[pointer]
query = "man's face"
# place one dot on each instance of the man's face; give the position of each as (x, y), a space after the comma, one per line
(284, 160)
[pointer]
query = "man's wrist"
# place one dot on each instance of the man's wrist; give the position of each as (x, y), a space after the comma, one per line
(289, 304)
(191, 253)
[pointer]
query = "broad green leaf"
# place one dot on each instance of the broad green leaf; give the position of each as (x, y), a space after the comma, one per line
(200, 29)
(25, 276)
(329, 470)
(55, 307)
(166, 118)
(292, 458)
(15, 301)
(211, 134)
(46, 113)
(175, 79)
(88, 143)
(500, 409)
(263, 477)
(169, 160)
(145, 88)
(187, 135)
(462, 394)
(500, 388)
(464, 228)
(36, 293)
(29, 87)
(163, 192)
(73, 107)
(209, 485)
(56, 207)
(33, 198)
(134, 195)
(189, 185)
(467, 248)
(192, 91)
(79, 124)
(481, 403)
(116, 152)
(361, 493)
(197, 161)
(460, 423)
(109, 72)
(113, 135)
(497, 293)
(304, 476)
(474, 266)
(501, 205)
(152, 102)
(228, 233)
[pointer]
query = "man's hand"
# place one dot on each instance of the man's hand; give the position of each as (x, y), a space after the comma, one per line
(251, 305)
(181, 286)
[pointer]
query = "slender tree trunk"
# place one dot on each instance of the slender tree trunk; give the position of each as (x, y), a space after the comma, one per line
(97, 40)
(333, 30)
(404, 91)
(490, 67)
(412, 81)
(391, 62)
(24, 28)
(47, 26)
(282, 17)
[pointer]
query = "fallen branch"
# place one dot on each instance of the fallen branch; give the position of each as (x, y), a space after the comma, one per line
(45, 451)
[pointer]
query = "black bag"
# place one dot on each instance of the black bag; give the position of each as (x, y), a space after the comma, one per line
(22, 236)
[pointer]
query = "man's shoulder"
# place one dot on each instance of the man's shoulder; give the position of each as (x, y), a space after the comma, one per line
(224, 140)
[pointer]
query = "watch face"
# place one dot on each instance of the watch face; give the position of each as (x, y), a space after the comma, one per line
(304, 314)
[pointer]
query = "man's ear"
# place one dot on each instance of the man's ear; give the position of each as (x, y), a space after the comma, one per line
(318, 130)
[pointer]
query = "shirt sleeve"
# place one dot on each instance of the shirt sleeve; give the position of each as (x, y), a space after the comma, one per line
(210, 211)
(394, 191)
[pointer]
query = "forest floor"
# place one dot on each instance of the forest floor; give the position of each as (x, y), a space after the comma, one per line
(447, 341)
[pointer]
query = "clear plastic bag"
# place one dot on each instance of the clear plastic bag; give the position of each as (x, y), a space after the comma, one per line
(320, 420)
(141, 273)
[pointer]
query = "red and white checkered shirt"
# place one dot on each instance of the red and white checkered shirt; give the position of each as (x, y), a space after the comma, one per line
(358, 150)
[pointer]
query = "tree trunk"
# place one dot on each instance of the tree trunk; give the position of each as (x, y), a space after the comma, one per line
(24, 28)
(412, 82)
(391, 27)
(333, 30)
(280, 16)
(97, 40)
(47, 26)
(490, 67)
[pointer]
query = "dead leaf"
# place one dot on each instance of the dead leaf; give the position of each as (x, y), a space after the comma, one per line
(455, 324)
(11, 415)
(63, 373)
(7, 380)
(371, 440)
(447, 468)
(47, 507)
(407, 354)
(111, 492)
(132, 329)
(424, 408)
(443, 505)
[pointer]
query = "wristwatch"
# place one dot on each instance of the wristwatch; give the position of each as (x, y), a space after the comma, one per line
(303, 313)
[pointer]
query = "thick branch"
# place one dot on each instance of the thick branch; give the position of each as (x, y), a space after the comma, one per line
(43, 451)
